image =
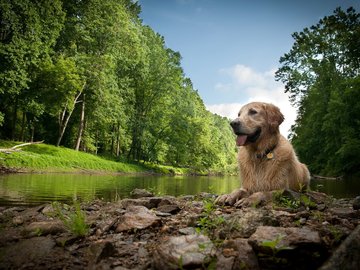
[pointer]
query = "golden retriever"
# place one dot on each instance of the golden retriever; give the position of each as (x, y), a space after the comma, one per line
(267, 160)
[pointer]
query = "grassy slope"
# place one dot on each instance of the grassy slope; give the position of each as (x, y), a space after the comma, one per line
(48, 158)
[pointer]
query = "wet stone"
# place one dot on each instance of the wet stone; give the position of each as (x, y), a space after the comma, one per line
(187, 230)
(345, 212)
(44, 228)
(170, 208)
(182, 252)
(141, 193)
(356, 203)
(101, 249)
(288, 248)
(18, 220)
(236, 254)
(248, 220)
(149, 202)
(137, 217)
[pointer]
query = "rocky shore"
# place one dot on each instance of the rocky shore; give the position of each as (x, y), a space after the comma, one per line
(291, 231)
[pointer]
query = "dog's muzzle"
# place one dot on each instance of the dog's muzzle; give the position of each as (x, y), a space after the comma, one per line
(242, 137)
(236, 126)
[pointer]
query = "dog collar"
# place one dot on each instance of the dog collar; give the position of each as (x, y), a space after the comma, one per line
(268, 154)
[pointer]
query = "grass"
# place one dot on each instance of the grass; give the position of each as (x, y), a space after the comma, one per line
(49, 158)
(75, 220)
(209, 222)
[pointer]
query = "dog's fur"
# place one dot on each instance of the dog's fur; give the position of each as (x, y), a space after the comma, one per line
(267, 160)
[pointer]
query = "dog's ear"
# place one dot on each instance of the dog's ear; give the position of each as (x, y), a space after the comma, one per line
(275, 117)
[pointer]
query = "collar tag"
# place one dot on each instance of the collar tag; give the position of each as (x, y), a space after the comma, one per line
(270, 155)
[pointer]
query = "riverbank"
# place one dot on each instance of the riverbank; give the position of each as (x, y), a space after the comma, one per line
(44, 158)
(291, 231)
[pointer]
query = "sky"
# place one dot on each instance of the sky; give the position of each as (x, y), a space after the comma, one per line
(231, 48)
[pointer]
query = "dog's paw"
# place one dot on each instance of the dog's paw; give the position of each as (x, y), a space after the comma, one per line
(232, 198)
(254, 200)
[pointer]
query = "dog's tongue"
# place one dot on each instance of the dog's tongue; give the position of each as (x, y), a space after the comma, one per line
(241, 139)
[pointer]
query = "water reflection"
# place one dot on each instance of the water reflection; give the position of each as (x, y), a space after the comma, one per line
(33, 189)
(345, 188)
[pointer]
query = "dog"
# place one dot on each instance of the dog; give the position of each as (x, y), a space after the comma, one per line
(267, 160)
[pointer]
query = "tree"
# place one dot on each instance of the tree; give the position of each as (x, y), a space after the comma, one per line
(28, 32)
(321, 75)
(59, 87)
(89, 75)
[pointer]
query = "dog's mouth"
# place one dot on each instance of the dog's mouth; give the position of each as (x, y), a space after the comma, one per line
(243, 139)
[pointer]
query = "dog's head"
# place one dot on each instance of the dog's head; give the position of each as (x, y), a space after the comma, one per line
(255, 120)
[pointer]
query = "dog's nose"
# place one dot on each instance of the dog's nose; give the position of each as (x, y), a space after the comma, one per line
(235, 124)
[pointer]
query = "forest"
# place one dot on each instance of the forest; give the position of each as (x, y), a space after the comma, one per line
(89, 75)
(321, 74)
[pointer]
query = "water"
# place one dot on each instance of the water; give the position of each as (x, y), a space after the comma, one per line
(35, 189)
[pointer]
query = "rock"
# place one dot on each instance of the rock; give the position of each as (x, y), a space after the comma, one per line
(346, 256)
(44, 228)
(100, 250)
(140, 244)
(356, 203)
(162, 214)
(318, 197)
(182, 252)
(170, 208)
(137, 217)
(25, 252)
(187, 197)
(249, 219)
(344, 212)
(18, 220)
(125, 203)
(294, 248)
(288, 238)
(237, 254)
(66, 240)
(140, 193)
(187, 230)
(48, 210)
(149, 202)
(290, 194)
(167, 200)
(105, 224)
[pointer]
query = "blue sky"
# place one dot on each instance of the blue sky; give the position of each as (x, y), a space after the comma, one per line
(230, 49)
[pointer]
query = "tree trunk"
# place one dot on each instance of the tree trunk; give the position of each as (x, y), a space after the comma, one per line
(32, 131)
(21, 137)
(14, 119)
(118, 140)
(64, 120)
(112, 139)
(81, 126)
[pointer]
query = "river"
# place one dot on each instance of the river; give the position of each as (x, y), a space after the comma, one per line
(35, 189)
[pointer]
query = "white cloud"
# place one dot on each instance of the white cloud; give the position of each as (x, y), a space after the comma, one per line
(254, 86)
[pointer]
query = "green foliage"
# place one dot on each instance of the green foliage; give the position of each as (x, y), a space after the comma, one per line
(284, 201)
(290, 202)
(90, 75)
(209, 220)
(275, 244)
(321, 75)
(74, 220)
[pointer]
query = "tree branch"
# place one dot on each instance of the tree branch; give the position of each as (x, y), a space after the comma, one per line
(16, 148)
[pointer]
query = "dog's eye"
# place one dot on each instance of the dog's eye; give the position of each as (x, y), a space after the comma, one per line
(252, 112)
